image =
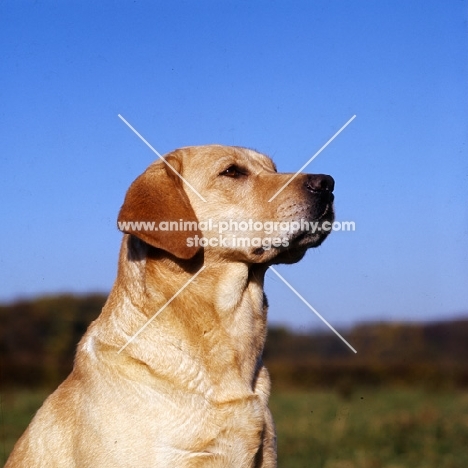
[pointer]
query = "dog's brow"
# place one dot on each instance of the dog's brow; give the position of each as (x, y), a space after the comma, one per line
(235, 159)
(266, 165)
(263, 160)
(254, 158)
(228, 159)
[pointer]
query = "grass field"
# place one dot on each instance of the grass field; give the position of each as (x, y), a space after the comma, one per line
(387, 428)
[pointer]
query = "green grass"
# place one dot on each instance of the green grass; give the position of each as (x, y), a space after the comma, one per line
(372, 429)
(16, 411)
(387, 428)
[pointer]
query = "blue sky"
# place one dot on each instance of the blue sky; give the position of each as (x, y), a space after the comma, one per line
(278, 76)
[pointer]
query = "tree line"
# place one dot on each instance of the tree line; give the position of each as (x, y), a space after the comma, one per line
(38, 339)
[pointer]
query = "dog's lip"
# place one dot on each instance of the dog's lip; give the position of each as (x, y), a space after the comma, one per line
(328, 209)
(300, 237)
(327, 215)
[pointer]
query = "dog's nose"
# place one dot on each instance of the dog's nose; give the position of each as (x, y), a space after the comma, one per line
(320, 183)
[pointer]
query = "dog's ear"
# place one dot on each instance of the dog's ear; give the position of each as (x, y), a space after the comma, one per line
(154, 200)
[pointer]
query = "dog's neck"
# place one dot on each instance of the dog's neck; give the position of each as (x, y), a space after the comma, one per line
(236, 310)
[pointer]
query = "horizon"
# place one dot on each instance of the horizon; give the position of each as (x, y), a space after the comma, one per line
(462, 316)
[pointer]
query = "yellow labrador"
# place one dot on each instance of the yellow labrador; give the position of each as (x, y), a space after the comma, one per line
(171, 373)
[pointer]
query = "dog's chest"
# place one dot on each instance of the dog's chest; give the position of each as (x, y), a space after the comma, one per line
(227, 433)
(173, 428)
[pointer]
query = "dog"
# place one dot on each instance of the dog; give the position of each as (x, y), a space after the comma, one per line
(171, 374)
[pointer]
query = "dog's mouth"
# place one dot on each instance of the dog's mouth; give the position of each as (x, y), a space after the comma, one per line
(316, 229)
(328, 212)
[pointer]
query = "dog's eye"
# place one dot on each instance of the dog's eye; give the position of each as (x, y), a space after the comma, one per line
(233, 171)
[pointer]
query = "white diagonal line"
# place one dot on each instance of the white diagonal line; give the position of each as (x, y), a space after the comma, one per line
(311, 308)
(312, 158)
(161, 309)
(155, 152)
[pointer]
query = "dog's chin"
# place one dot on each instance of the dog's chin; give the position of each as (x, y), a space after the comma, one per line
(309, 240)
(298, 247)
(289, 256)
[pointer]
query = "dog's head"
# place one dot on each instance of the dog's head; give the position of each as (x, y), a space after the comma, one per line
(230, 202)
